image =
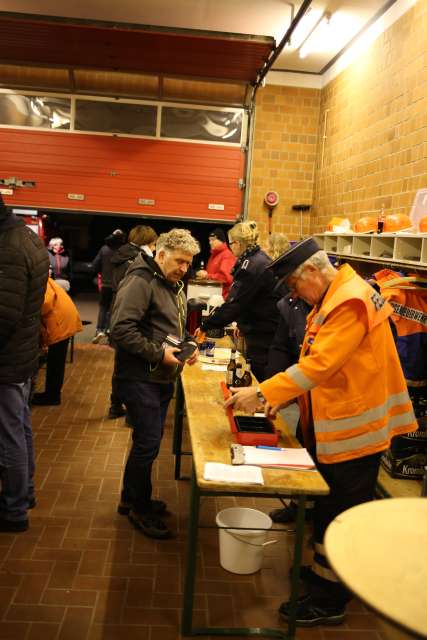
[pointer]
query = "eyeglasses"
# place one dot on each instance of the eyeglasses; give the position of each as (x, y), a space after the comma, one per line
(232, 242)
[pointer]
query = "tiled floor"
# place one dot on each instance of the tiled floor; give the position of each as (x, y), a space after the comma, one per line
(83, 573)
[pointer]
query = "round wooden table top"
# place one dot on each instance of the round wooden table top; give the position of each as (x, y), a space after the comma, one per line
(379, 551)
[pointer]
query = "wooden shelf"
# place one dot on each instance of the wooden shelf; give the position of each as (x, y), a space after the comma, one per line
(404, 250)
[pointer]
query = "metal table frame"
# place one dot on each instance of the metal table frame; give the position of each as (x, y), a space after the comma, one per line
(187, 628)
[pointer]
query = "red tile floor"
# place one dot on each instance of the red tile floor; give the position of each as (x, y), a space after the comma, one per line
(82, 572)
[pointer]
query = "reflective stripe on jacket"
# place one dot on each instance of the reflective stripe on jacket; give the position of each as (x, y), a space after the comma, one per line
(351, 369)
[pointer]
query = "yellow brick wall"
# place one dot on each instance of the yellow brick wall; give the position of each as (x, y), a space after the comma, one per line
(374, 118)
(284, 156)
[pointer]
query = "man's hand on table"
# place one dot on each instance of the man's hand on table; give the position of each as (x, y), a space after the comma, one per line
(245, 399)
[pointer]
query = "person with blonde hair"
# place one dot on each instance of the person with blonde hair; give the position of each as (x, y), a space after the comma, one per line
(251, 300)
(278, 243)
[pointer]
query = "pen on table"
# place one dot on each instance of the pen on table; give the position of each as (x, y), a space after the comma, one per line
(264, 446)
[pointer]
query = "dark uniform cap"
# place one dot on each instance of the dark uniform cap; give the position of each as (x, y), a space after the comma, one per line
(289, 261)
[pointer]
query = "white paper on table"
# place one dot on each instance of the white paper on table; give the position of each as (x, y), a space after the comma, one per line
(298, 457)
(214, 367)
(218, 472)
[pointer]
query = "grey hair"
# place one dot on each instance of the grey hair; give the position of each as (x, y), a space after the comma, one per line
(53, 241)
(178, 239)
(320, 261)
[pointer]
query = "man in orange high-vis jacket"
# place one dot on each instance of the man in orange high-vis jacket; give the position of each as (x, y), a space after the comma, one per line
(353, 400)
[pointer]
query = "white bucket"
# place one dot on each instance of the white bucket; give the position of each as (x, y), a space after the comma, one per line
(241, 550)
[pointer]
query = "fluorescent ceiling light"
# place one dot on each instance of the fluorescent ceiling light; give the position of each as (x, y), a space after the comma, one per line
(331, 34)
(304, 27)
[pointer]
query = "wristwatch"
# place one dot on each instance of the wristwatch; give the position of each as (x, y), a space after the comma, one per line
(259, 395)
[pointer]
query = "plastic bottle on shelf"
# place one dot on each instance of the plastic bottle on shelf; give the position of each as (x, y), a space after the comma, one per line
(381, 220)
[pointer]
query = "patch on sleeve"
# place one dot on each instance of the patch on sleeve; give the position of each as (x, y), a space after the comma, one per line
(377, 300)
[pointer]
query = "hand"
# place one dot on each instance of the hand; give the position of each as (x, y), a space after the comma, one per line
(200, 335)
(201, 274)
(193, 359)
(236, 331)
(169, 356)
(244, 399)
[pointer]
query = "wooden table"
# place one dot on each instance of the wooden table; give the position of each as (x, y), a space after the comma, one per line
(210, 439)
(378, 549)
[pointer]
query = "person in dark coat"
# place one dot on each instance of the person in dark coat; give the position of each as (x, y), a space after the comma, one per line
(252, 300)
(24, 267)
(102, 265)
(150, 306)
(283, 352)
(60, 263)
(140, 239)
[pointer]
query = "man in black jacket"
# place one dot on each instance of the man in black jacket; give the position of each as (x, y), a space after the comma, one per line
(150, 306)
(24, 267)
(103, 266)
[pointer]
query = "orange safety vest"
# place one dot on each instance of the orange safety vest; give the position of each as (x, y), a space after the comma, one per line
(361, 406)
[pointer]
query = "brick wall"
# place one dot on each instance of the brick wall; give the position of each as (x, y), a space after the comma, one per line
(284, 155)
(374, 117)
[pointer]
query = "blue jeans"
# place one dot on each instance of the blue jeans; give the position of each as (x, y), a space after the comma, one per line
(147, 404)
(16, 451)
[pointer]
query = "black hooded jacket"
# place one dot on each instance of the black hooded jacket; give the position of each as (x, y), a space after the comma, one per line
(252, 300)
(120, 261)
(24, 268)
(102, 262)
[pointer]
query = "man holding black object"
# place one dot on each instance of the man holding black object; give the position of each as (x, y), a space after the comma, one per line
(148, 332)
(352, 396)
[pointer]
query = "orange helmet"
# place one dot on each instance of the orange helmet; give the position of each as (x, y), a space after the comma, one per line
(397, 222)
(422, 225)
(338, 224)
(365, 225)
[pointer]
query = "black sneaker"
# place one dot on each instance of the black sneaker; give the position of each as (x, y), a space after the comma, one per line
(309, 613)
(13, 526)
(150, 525)
(288, 513)
(116, 411)
(158, 507)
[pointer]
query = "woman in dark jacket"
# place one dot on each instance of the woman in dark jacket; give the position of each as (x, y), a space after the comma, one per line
(60, 264)
(252, 301)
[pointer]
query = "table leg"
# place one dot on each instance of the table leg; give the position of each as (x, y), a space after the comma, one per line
(299, 541)
(191, 557)
(177, 428)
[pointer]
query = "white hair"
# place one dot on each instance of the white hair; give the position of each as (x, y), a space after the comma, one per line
(53, 241)
(320, 261)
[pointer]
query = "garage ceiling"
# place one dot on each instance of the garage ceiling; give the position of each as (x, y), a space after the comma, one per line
(188, 50)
